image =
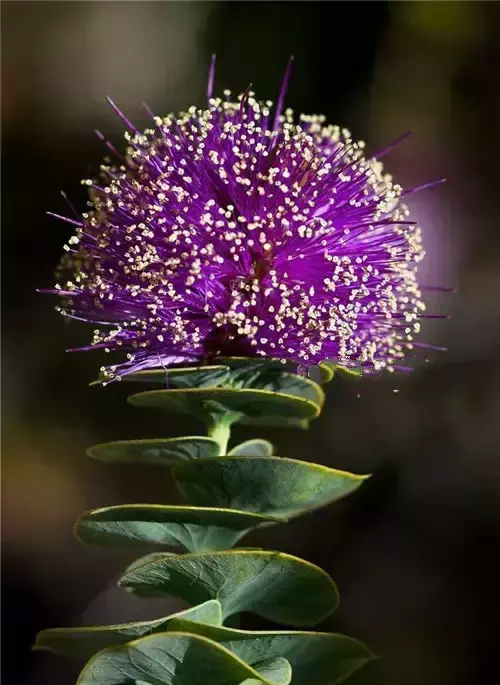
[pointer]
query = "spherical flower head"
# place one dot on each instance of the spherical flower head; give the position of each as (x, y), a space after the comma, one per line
(233, 231)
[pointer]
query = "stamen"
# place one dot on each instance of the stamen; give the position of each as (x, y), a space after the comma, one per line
(211, 78)
(282, 94)
(122, 116)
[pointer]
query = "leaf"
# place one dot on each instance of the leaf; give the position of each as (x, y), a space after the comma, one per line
(263, 364)
(266, 375)
(287, 383)
(276, 670)
(158, 451)
(85, 641)
(278, 380)
(182, 377)
(319, 658)
(277, 586)
(222, 372)
(253, 448)
(139, 525)
(149, 558)
(171, 659)
(210, 402)
(269, 485)
(350, 371)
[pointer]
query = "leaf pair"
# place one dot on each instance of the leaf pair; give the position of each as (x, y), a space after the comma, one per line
(270, 657)
(252, 391)
(227, 496)
(180, 659)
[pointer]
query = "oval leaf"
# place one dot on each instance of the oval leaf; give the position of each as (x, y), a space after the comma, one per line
(319, 658)
(269, 485)
(252, 448)
(277, 586)
(216, 401)
(157, 451)
(170, 659)
(139, 525)
(82, 642)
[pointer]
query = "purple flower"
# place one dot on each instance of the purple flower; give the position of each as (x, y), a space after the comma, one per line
(233, 231)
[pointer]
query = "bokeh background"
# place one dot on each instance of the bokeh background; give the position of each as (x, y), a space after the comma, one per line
(416, 553)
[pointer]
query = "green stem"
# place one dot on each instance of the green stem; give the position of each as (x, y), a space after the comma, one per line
(219, 429)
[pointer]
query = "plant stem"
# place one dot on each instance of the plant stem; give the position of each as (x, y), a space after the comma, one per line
(219, 429)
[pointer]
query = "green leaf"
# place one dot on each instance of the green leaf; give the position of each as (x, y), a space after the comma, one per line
(280, 381)
(269, 485)
(82, 642)
(139, 525)
(287, 383)
(183, 377)
(277, 586)
(276, 670)
(265, 375)
(172, 659)
(357, 372)
(263, 364)
(178, 377)
(253, 448)
(148, 558)
(319, 658)
(158, 451)
(225, 371)
(207, 403)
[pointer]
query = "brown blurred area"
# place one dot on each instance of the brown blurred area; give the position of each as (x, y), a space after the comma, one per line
(416, 552)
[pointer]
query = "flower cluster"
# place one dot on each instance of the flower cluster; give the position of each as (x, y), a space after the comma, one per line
(230, 231)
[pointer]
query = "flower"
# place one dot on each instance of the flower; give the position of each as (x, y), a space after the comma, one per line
(230, 231)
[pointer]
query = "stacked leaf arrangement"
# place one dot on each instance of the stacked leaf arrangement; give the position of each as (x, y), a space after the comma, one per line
(229, 491)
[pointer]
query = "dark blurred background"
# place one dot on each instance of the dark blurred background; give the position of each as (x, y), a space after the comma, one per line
(416, 552)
